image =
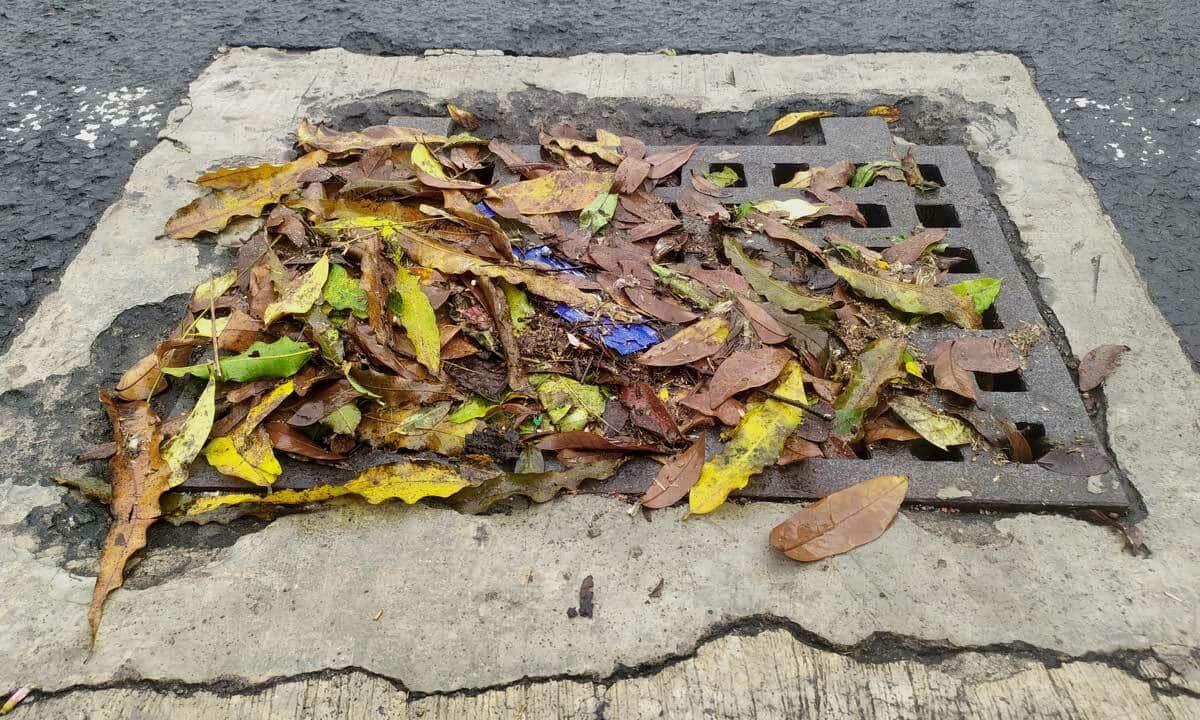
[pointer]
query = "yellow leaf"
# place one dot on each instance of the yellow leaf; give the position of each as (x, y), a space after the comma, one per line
(407, 481)
(889, 113)
(185, 446)
(213, 212)
(461, 117)
(755, 443)
(791, 119)
(794, 209)
(312, 136)
(426, 162)
(606, 146)
(203, 327)
(300, 294)
(246, 452)
(213, 289)
(420, 324)
(554, 192)
(940, 430)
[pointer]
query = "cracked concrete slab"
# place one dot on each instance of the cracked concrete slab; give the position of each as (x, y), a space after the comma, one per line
(302, 594)
(804, 681)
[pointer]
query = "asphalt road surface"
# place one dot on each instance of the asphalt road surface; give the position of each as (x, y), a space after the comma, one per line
(85, 86)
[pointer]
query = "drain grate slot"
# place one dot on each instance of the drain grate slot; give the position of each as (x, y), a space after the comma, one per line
(1040, 399)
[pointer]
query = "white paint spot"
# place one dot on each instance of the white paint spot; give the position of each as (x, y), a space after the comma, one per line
(1118, 153)
(31, 93)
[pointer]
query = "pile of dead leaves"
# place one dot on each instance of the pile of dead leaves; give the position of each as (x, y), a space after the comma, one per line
(536, 317)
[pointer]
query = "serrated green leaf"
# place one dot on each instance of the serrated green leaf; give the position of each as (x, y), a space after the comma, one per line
(472, 408)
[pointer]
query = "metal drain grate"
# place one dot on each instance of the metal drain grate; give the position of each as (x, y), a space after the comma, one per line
(1040, 397)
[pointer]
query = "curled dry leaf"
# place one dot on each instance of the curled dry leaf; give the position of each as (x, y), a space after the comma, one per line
(695, 342)
(554, 192)
(290, 440)
(212, 212)
(889, 113)
(842, 520)
(300, 294)
(461, 117)
(654, 306)
(1080, 461)
(139, 478)
(665, 162)
(1097, 365)
(907, 252)
(795, 118)
(377, 136)
(768, 329)
(915, 299)
(648, 411)
(584, 440)
(676, 477)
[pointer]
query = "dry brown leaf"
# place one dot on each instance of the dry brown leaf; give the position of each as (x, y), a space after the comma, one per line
(694, 342)
(676, 477)
(667, 161)
(555, 192)
(658, 307)
(1097, 364)
(376, 136)
(139, 478)
(841, 521)
(743, 370)
(648, 411)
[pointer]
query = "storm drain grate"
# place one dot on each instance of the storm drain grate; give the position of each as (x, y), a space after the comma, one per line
(1040, 398)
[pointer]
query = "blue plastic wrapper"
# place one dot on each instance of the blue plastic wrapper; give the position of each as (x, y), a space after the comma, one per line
(624, 338)
(544, 256)
(483, 208)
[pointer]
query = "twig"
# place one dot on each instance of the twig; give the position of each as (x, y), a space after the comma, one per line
(795, 403)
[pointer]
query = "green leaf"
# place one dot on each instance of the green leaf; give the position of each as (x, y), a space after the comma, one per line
(519, 307)
(569, 403)
(915, 299)
(280, 359)
(982, 291)
(865, 174)
(472, 408)
(598, 213)
(758, 274)
(725, 177)
(345, 293)
(300, 294)
(344, 420)
(419, 321)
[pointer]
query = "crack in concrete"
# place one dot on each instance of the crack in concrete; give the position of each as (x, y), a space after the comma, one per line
(878, 648)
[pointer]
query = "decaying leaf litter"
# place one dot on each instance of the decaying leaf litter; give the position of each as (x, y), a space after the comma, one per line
(518, 339)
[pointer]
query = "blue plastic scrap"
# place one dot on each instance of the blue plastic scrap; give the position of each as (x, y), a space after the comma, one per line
(483, 208)
(624, 338)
